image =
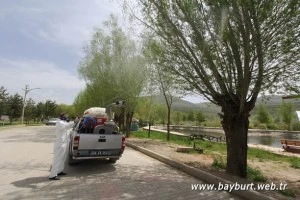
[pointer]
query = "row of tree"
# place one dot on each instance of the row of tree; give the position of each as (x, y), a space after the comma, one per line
(227, 51)
(12, 105)
(159, 114)
(285, 113)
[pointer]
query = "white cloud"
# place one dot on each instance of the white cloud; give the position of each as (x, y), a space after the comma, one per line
(68, 24)
(55, 83)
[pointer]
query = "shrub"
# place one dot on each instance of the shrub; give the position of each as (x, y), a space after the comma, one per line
(287, 193)
(296, 126)
(255, 175)
(295, 162)
(219, 162)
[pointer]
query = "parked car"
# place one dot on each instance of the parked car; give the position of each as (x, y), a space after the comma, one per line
(52, 121)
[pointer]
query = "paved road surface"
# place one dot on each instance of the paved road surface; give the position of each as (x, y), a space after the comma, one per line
(26, 156)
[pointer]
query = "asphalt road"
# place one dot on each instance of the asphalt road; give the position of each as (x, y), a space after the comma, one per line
(26, 156)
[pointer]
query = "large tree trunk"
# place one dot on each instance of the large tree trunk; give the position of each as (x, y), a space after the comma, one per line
(129, 116)
(236, 130)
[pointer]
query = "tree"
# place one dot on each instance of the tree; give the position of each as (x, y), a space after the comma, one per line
(287, 113)
(191, 116)
(3, 101)
(229, 52)
(69, 110)
(200, 117)
(30, 110)
(39, 111)
(167, 86)
(15, 107)
(114, 70)
(263, 115)
(161, 111)
(49, 109)
(184, 118)
(177, 118)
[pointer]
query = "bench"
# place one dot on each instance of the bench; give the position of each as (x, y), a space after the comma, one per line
(206, 137)
(291, 145)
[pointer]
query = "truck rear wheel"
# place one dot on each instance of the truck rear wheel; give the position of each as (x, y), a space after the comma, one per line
(71, 161)
(113, 160)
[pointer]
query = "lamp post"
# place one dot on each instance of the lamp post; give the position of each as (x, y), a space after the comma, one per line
(26, 90)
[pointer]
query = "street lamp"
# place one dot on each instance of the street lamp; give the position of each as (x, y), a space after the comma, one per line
(26, 90)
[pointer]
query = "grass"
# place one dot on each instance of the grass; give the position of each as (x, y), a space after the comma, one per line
(212, 147)
(219, 162)
(209, 147)
(295, 162)
(252, 174)
(255, 175)
(287, 193)
(263, 155)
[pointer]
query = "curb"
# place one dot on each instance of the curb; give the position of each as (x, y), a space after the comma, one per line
(209, 178)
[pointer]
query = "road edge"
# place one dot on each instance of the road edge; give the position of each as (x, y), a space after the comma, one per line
(207, 177)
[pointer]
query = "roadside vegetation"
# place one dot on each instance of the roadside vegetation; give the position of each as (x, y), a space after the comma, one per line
(213, 148)
(217, 151)
(11, 106)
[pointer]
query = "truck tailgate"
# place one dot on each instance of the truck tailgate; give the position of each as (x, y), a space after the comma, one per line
(99, 142)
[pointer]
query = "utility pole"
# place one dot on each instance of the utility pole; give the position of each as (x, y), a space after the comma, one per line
(26, 90)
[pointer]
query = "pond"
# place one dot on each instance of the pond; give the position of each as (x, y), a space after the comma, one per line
(271, 139)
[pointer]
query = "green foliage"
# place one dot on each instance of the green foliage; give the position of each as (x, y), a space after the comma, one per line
(191, 116)
(213, 123)
(69, 110)
(262, 115)
(287, 193)
(255, 175)
(200, 117)
(295, 162)
(4, 95)
(49, 108)
(177, 117)
(15, 106)
(296, 126)
(287, 113)
(30, 110)
(219, 162)
(114, 69)
(184, 117)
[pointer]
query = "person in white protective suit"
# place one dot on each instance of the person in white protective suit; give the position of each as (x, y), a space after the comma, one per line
(61, 147)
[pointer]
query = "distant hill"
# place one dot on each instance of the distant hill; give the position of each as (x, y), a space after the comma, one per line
(271, 102)
(179, 104)
(183, 105)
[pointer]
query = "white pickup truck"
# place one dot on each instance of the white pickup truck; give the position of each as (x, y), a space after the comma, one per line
(101, 140)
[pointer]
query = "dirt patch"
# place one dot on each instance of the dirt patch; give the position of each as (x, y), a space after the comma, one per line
(276, 172)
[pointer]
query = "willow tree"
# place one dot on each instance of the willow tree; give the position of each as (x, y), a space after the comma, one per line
(229, 51)
(113, 69)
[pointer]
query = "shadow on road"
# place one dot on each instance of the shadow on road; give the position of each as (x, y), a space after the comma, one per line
(89, 167)
(30, 182)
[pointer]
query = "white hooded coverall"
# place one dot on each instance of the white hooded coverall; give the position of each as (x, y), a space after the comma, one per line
(61, 146)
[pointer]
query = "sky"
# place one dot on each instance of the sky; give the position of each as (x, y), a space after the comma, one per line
(42, 44)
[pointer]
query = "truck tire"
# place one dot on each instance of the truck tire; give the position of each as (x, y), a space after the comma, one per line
(112, 160)
(71, 161)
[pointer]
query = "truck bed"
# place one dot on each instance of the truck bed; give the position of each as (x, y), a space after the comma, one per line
(104, 142)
